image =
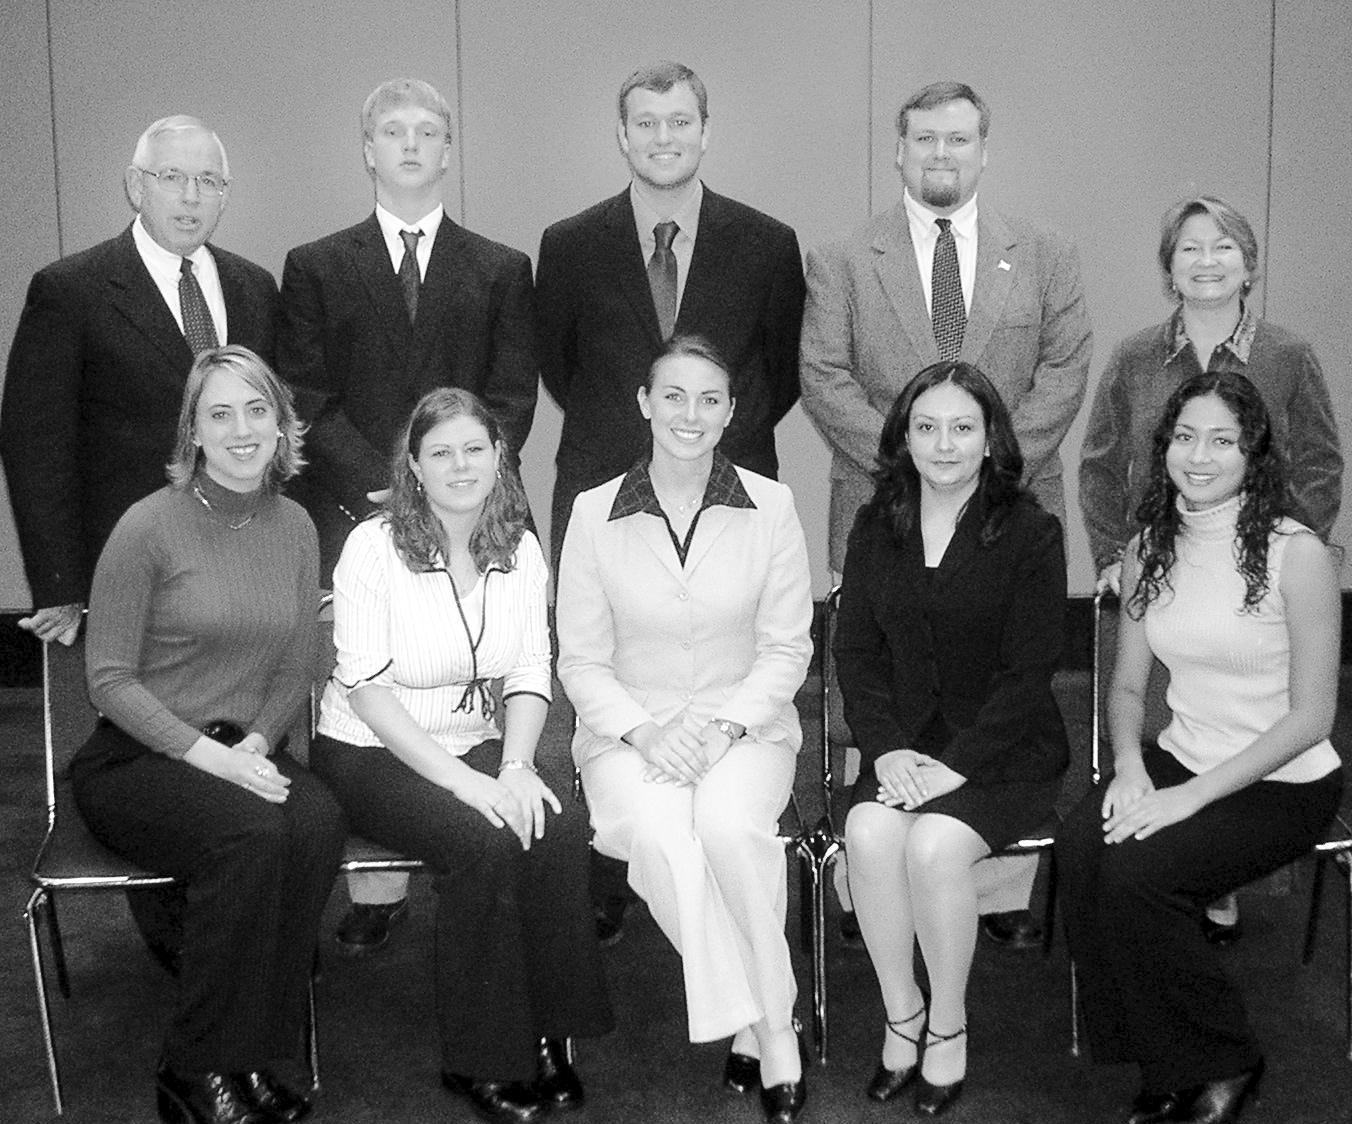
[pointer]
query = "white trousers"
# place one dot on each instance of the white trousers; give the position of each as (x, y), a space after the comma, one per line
(708, 861)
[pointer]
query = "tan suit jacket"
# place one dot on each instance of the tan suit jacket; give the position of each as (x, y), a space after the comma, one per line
(642, 639)
(867, 333)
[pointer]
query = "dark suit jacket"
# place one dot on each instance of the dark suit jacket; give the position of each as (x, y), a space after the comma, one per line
(345, 343)
(598, 333)
(92, 396)
(867, 333)
(958, 663)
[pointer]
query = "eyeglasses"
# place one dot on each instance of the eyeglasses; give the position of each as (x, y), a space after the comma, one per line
(208, 183)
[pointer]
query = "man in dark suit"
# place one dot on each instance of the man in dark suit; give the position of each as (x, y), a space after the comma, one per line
(96, 371)
(936, 278)
(369, 326)
(95, 382)
(374, 317)
(732, 275)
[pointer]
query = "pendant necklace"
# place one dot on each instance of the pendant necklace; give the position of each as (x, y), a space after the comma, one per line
(197, 491)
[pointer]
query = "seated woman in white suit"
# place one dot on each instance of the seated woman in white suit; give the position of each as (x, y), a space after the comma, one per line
(684, 611)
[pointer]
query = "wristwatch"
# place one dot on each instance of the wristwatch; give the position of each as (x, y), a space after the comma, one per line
(732, 730)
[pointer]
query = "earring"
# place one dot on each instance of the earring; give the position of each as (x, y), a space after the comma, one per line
(498, 473)
(419, 486)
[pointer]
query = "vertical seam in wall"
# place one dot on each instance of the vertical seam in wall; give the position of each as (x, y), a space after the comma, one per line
(460, 110)
(868, 156)
(51, 108)
(1271, 132)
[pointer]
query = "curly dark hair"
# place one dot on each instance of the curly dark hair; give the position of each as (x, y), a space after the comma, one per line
(897, 483)
(1263, 488)
(418, 534)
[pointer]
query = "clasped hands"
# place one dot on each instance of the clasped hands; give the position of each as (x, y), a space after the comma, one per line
(55, 622)
(245, 764)
(681, 752)
(515, 800)
(1133, 808)
(907, 779)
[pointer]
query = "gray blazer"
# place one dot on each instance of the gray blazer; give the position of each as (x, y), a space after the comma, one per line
(867, 332)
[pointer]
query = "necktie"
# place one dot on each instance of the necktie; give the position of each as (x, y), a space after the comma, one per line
(198, 328)
(409, 277)
(662, 277)
(946, 307)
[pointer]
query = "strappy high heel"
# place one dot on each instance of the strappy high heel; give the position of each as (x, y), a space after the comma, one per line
(887, 1083)
(931, 1099)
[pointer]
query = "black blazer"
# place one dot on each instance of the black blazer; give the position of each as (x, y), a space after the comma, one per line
(598, 332)
(92, 395)
(958, 663)
(358, 366)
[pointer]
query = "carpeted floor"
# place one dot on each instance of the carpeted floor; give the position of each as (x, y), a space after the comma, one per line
(379, 1057)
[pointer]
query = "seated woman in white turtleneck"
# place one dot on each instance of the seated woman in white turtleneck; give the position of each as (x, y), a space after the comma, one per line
(1240, 602)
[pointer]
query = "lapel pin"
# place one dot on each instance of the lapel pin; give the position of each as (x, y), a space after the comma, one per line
(1004, 265)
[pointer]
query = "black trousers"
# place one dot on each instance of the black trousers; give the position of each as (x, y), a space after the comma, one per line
(256, 877)
(516, 954)
(1153, 990)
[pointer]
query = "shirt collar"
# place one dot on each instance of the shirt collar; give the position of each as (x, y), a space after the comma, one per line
(391, 224)
(687, 218)
(923, 219)
(158, 258)
(1239, 344)
(636, 493)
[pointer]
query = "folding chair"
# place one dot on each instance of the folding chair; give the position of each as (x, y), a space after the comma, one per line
(1336, 846)
(824, 843)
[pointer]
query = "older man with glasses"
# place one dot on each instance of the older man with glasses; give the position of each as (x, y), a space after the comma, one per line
(96, 374)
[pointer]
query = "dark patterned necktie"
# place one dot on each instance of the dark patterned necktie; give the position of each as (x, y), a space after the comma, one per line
(946, 306)
(662, 277)
(409, 277)
(198, 328)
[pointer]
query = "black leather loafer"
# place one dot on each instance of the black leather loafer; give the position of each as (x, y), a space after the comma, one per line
(512, 1101)
(208, 1098)
(366, 928)
(1014, 929)
(741, 1073)
(269, 1095)
(556, 1081)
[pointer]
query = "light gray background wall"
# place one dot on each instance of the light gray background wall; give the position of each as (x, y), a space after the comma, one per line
(1104, 114)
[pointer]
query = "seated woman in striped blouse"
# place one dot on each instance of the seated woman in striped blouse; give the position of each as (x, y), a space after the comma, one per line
(442, 593)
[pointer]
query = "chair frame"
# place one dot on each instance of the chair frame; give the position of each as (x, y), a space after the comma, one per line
(823, 844)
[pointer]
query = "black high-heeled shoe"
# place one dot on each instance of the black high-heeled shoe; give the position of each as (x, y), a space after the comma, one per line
(206, 1098)
(556, 1081)
(741, 1073)
(269, 1095)
(1221, 1102)
(931, 1099)
(887, 1083)
(783, 1102)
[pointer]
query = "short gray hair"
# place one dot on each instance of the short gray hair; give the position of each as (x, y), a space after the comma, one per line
(179, 122)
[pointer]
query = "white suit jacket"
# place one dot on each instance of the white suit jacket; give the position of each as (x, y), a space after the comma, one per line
(642, 638)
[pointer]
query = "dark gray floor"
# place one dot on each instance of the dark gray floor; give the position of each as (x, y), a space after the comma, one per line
(379, 1057)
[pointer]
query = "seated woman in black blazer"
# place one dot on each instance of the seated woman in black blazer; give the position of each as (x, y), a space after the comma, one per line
(950, 628)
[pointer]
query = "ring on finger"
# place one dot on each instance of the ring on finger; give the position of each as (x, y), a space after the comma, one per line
(260, 771)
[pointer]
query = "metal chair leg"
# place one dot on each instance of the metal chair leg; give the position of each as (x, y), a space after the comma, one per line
(1074, 1011)
(311, 1033)
(40, 902)
(819, 847)
(1346, 859)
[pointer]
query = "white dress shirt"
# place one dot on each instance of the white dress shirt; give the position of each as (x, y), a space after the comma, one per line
(924, 235)
(166, 270)
(391, 225)
(683, 245)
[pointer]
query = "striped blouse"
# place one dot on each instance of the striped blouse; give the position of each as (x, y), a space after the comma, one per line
(409, 632)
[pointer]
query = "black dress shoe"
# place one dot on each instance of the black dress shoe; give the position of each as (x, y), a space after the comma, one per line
(556, 1081)
(1221, 1102)
(267, 1094)
(208, 1098)
(783, 1102)
(512, 1101)
(1154, 1108)
(931, 1099)
(741, 1073)
(1220, 934)
(1013, 929)
(366, 928)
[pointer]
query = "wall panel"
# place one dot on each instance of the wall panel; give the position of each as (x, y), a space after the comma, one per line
(1309, 286)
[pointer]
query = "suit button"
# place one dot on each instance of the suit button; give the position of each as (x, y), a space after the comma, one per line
(682, 596)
